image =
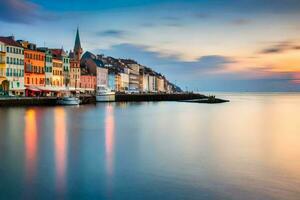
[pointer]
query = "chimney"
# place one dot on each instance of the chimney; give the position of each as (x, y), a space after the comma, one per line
(12, 37)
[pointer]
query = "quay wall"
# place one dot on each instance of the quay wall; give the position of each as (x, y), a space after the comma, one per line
(157, 97)
(88, 99)
(27, 101)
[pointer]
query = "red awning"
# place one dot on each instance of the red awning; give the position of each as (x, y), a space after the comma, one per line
(32, 88)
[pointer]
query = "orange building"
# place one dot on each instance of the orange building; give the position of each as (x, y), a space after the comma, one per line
(88, 83)
(75, 74)
(34, 64)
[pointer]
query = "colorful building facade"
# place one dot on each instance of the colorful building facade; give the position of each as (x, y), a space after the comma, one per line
(34, 68)
(88, 83)
(74, 74)
(57, 77)
(112, 81)
(48, 67)
(3, 81)
(102, 76)
(12, 67)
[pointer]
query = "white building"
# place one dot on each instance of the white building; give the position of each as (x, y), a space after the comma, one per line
(152, 83)
(13, 71)
(102, 76)
(146, 83)
(160, 82)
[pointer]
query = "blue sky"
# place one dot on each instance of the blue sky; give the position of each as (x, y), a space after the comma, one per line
(211, 45)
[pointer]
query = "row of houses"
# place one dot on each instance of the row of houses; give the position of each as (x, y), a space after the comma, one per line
(28, 70)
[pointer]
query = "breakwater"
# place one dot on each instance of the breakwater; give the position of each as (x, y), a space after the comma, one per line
(158, 97)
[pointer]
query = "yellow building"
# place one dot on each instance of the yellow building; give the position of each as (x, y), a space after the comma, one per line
(11, 67)
(58, 78)
(3, 87)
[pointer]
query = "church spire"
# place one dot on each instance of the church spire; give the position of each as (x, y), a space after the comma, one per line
(77, 41)
(77, 46)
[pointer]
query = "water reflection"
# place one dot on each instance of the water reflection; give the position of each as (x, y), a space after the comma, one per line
(246, 149)
(109, 140)
(30, 144)
(61, 145)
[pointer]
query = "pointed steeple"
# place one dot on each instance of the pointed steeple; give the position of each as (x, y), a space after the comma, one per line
(77, 41)
(77, 47)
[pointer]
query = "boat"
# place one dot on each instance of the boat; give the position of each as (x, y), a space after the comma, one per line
(72, 101)
(104, 94)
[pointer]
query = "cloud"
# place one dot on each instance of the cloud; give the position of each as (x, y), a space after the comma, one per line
(280, 47)
(24, 12)
(208, 72)
(17, 11)
(112, 33)
(169, 64)
(171, 21)
(201, 15)
(241, 22)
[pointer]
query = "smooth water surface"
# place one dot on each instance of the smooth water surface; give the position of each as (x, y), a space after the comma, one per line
(246, 149)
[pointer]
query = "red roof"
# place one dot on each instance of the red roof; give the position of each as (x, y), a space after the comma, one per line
(57, 52)
(10, 41)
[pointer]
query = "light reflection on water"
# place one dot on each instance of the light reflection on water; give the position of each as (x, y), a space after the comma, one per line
(30, 143)
(109, 145)
(61, 146)
(246, 149)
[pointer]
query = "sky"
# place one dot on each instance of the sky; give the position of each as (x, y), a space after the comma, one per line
(201, 45)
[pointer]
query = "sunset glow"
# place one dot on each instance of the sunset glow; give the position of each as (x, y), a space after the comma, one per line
(198, 44)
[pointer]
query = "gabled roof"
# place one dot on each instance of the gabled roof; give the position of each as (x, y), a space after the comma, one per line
(58, 52)
(10, 41)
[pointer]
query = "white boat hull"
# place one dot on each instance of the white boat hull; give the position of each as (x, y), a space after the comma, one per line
(106, 97)
(69, 101)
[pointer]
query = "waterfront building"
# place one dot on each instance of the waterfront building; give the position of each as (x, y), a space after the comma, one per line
(75, 72)
(134, 79)
(160, 84)
(88, 83)
(124, 82)
(145, 80)
(118, 82)
(60, 54)
(152, 83)
(102, 76)
(3, 81)
(34, 65)
(48, 66)
(92, 66)
(57, 77)
(12, 67)
(112, 80)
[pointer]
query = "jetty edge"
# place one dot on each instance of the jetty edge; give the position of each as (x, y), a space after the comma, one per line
(120, 97)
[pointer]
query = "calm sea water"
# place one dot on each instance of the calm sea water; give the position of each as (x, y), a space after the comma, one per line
(246, 149)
